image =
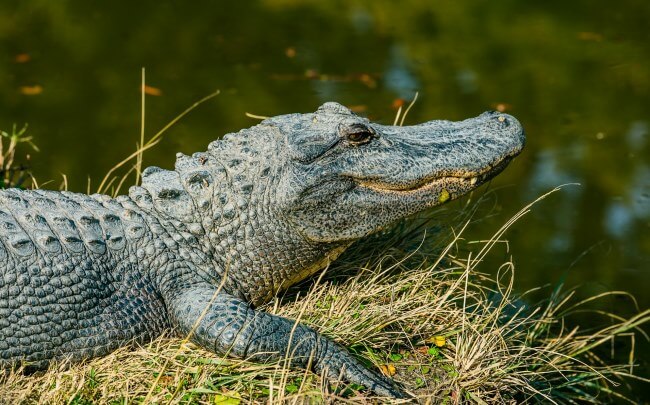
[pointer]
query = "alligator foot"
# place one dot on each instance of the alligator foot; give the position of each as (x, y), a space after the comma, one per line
(228, 325)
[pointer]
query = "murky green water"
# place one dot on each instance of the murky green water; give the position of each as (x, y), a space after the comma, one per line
(577, 75)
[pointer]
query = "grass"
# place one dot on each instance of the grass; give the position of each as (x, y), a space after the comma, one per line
(428, 315)
(10, 174)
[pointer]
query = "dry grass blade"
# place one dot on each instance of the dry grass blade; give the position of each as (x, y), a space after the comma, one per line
(108, 178)
(138, 163)
(401, 122)
(399, 117)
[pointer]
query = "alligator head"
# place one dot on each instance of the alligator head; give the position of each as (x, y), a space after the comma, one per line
(277, 201)
(350, 177)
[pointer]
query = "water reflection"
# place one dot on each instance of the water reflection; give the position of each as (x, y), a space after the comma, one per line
(398, 77)
(467, 79)
(548, 171)
(618, 220)
(637, 136)
(574, 74)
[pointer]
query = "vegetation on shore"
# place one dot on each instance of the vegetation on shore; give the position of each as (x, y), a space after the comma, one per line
(437, 324)
(13, 175)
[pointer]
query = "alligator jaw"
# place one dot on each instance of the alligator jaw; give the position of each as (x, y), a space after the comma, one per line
(463, 182)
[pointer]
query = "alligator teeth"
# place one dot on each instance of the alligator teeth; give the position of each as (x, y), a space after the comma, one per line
(473, 181)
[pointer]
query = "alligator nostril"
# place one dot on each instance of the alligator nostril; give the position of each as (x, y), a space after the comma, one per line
(503, 120)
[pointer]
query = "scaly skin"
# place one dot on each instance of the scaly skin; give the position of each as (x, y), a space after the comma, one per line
(196, 249)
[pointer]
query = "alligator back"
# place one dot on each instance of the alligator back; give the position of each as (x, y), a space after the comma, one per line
(70, 282)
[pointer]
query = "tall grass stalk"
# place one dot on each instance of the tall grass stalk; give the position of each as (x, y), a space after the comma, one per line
(143, 146)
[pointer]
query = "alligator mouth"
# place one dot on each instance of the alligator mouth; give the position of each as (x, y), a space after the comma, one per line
(466, 181)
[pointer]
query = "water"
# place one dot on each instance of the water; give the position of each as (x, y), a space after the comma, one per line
(576, 76)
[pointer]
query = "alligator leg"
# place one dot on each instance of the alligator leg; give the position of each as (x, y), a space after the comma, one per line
(228, 325)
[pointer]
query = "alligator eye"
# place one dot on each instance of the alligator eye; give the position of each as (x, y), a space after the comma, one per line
(356, 133)
(359, 137)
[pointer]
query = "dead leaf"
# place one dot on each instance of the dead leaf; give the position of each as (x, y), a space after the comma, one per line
(290, 52)
(358, 108)
(152, 91)
(439, 341)
(311, 74)
(590, 36)
(22, 58)
(31, 90)
(502, 107)
(368, 80)
(388, 370)
(422, 349)
(398, 102)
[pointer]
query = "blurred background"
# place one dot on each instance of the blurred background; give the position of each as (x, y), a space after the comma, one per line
(576, 75)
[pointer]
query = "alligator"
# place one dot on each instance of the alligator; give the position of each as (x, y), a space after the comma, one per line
(197, 249)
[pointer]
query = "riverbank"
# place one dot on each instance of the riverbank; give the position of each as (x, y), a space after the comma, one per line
(438, 324)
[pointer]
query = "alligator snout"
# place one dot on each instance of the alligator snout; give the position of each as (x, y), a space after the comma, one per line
(505, 128)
